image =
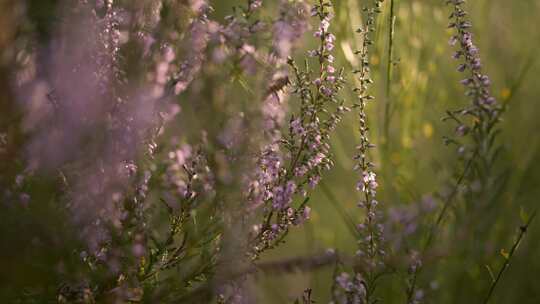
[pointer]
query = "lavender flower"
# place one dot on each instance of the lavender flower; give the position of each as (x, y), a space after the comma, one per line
(371, 243)
(484, 108)
(306, 142)
(476, 142)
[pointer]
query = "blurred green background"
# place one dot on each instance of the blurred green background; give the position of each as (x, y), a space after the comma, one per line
(412, 161)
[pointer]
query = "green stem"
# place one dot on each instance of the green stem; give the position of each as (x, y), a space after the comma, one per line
(436, 224)
(391, 24)
(522, 231)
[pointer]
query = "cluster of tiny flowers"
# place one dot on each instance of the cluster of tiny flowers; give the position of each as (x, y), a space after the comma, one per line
(128, 132)
(236, 38)
(114, 203)
(484, 111)
(415, 263)
(124, 207)
(266, 177)
(288, 29)
(478, 83)
(367, 184)
(119, 185)
(284, 176)
(370, 252)
(187, 173)
(349, 290)
(484, 107)
(327, 71)
(199, 33)
(109, 46)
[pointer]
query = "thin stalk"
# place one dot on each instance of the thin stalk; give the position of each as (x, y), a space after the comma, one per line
(522, 230)
(434, 228)
(389, 63)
